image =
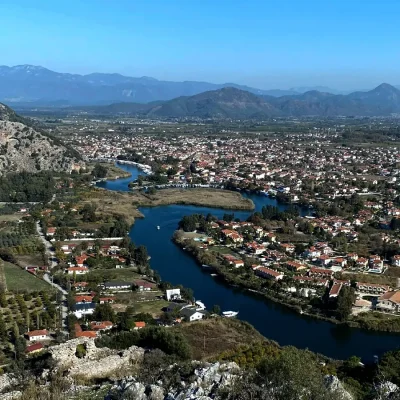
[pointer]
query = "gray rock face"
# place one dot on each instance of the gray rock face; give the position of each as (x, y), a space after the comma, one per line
(97, 362)
(206, 380)
(24, 149)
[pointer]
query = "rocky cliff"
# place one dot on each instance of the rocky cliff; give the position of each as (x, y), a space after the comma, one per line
(22, 148)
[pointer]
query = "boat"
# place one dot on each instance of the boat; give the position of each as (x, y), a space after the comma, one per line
(200, 305)
(230, 314)
(205, 266)
(213, 275)
(158, 226)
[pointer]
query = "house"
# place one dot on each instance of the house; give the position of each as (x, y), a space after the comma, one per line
(324, 259)
(139, 325)
(84, 309)
(191, 314)
(271, 237)
(389, 301)
(41, 334)
(34, 348)
(173, 294)
(77, 270)
(295, 266)
(144, 286)
(104, 300)
(288, 247)
(267, 273)
(238, 263)
(396, 260)
(88, 334)
(51, 231)
(335, 290)
(79, 285)
(101, 325)
(117, 285)
(80, 260)
(83, 299)
(372, 288)
(320, 272)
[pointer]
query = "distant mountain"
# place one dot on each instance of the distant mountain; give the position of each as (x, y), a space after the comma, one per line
(23, 148)
(239, 104)
(304, 89)
(41, 86)
(222, 103)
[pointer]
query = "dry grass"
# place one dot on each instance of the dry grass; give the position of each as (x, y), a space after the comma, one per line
(209, 338)
(112, 203)
(198, 197)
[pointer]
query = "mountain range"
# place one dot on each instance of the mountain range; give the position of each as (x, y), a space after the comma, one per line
(239, 104)
(30, 84)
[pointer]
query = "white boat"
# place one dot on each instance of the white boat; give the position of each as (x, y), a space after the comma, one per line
(230, 314)
(200, 305)
(158, 226)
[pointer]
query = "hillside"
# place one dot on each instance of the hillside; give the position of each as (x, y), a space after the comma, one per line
(22, 148)
(223, 103)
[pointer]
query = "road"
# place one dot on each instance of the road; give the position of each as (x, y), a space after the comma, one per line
(49, 279)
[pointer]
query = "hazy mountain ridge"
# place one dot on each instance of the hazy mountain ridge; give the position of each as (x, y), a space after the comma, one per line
(239, 104)
(22, 148)
(35, 84)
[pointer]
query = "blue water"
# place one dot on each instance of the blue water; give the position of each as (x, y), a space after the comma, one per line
(274, 321)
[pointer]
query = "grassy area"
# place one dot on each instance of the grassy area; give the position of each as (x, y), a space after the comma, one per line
(10, 217)
(378, 321)
(123, 274)
(209, 338)
(18, 279)
(223, 250)
(198, 197)
(371, 278)
(29, 259)
(111, 203)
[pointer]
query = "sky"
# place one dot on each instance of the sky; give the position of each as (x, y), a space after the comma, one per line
(269, 44)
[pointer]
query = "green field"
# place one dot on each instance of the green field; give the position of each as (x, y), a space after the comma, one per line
(18, 279)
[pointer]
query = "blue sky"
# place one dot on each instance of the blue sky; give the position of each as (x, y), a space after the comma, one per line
(344, 44)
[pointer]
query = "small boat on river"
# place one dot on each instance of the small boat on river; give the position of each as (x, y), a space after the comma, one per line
(158, 227)
(230, 314)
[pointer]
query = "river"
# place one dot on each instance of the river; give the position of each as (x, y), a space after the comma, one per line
(273, 320)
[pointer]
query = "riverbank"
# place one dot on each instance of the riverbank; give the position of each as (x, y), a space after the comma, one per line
(214, 198)
(369, 321)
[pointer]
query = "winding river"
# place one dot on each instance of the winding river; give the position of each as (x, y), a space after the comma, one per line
(274, 321)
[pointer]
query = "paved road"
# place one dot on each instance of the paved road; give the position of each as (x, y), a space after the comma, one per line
(48, 278)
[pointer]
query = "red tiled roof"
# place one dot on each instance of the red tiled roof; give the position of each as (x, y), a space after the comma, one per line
(34, 347)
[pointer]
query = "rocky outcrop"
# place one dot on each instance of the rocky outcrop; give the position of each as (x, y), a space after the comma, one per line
(22, 148)
(97, 362)
(207, 379)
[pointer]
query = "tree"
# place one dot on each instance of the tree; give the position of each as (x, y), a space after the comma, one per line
(345, 303)
(216, 309)
(99, 171)
(141, 256)
(188, 223)
(104, 312)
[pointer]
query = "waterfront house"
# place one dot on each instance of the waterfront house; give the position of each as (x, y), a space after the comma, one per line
(389, 302)
(335, 290)
(191, 314)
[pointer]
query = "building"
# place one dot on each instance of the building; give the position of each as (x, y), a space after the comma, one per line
(101, 325)
(372, 288)
(191, 314)
(139, 325)
(335, 290)
(41, 334)
(295, 266)
(173, 294)
(117, 285)
(34, 348)
(389, 302)
(77, 270)
(267, 273)
(84, 309)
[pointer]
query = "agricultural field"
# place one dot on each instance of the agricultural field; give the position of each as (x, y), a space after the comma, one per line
(19, 280)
